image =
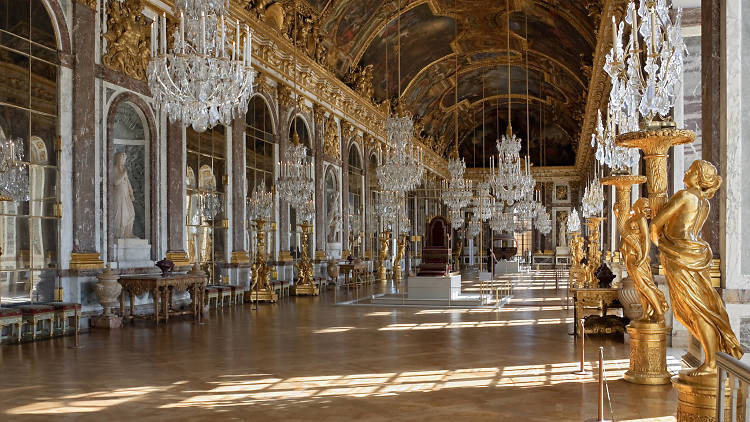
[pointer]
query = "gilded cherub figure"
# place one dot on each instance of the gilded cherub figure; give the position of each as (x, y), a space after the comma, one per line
(686, 257)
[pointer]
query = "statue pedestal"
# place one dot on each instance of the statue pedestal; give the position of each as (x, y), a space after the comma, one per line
(562, 251)
(133, 253)
(305, 290)
(696, 398)
(648, 353)
(106, 321)
(262, 295)
(333, 250)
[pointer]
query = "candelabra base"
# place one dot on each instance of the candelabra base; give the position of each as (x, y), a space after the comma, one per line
(648, 353)
(305, 290)
(696, 397)
(262, 295)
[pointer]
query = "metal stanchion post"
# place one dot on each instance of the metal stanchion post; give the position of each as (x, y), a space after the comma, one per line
(582, 370)
(600, 412)
(75, 345)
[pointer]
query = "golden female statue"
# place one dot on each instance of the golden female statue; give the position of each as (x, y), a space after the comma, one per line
(635, 247)
(686, 258)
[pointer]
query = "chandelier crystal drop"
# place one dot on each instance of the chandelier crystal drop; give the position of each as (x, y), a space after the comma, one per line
(593, 199)
(295, 178)
(205, 78)
(456, 192)
(14, 173)
(502, 221)
(260, 203)
(388, 206)
(210, 205)
(645, 71)
(619, 159)
(402, 168)
(574, 222)
(306, 210)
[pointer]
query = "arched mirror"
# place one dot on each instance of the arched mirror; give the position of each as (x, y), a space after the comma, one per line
(356, 208)
(299, 127)
(259, 152)
(29, 229)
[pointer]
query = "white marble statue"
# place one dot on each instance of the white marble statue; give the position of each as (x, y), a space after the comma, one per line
(334, 221)
(123, 212)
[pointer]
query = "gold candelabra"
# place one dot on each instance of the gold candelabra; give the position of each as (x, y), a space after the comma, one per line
(260, 288)
(305, 285)
(594, 255)
(577, 271)
(383, 255)
(400, 248)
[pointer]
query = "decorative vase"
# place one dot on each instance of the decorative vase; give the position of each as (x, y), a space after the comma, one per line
(108, 290)
(166, 266)
(628, 296)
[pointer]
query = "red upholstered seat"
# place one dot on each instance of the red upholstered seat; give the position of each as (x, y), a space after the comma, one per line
(35, 309)
(212, 290)
(9, 312)
(65, 306)
(235, 287)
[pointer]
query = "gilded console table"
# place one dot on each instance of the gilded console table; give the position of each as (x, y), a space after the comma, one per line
(356, 270)
(601, 299)
(163, 287)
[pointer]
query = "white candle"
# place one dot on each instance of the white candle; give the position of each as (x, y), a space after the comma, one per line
(614, 32)
(182, 32)
(237, 39)
(153, 41)
(164, 33)
(223, 37)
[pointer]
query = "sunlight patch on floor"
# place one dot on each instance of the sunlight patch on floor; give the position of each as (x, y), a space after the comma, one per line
(86, 402)
(271, 389)
(476, 324)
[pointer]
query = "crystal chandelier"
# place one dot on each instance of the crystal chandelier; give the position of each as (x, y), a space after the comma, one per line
(402, 168)
(209, 205)
(574, 222)
(456, 216)
(295, 178)
(502, 221)
(388, 207)
(593, 199)
(543, 223)
(205, 78)
(456, 192)
(260, 203)
(619, 159)
(508, 182)
(483, 202)
(14, 173)
(474, 226)
(306, 210)
(660, 50)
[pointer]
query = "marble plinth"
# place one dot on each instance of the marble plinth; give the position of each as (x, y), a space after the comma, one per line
(106, 321)
(648, 353)
(333, 250)
(133, 253)
(506, 267)
(562, 250)
(433, 287)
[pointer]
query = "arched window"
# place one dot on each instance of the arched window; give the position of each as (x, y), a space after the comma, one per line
(206, 189)
(355, 192)
(259, 144)
(29, 67)
(298, 126)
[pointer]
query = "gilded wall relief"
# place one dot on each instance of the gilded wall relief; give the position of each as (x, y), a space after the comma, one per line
(128, 38)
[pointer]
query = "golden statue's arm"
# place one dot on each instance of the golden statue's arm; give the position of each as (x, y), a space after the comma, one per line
(645, 243)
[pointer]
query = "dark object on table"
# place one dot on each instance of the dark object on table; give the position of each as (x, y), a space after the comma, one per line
(166, 266)
(605, 276)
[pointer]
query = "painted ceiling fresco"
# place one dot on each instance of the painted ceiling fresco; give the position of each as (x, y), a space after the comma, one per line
(558, 37)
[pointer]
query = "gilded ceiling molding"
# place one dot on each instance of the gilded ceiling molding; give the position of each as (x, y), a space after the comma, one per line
(319, 114)
(274, 55)
(599, 85)
(262, 83)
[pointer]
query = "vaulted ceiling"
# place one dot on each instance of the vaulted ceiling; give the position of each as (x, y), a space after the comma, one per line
(560, 43)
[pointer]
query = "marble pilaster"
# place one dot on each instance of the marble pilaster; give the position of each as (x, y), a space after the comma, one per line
(239, 189)
(176, 195)
(345, 195)
(711, 96)
(85, 254)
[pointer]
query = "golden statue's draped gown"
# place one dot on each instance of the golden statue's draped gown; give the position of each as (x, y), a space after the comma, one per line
(686, 258)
